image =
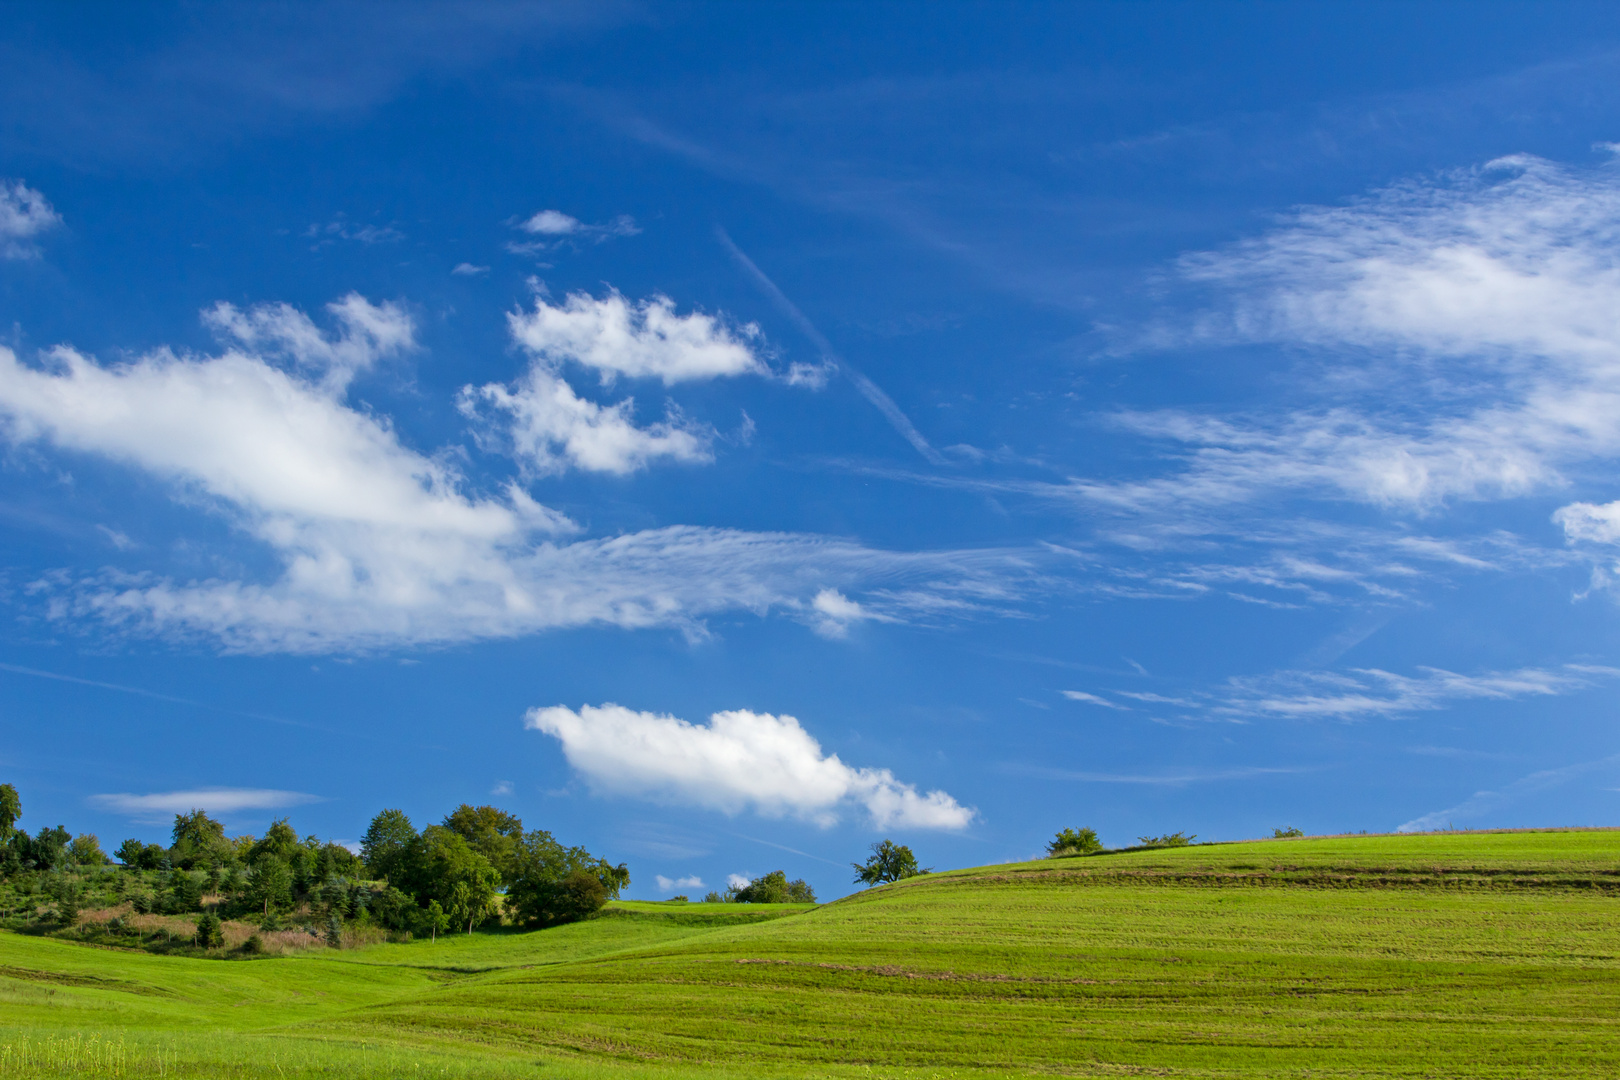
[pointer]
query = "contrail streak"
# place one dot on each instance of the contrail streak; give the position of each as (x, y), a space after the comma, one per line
(868, 389)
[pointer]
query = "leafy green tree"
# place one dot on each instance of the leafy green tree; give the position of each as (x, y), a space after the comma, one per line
(439, 863)
(279, 841)
(1174, 839)
(536, 894)
(384, 847)
(889, 862)
(198, 840)
(10, 810)
(711, 897)
(492, 832)
(210, 934)
(1073, 842)
(1287, 832)
(85, 850)
(185, 892)
(270, 888)
(50, 848)
(434, 920)
(334, 930)
(775, 888)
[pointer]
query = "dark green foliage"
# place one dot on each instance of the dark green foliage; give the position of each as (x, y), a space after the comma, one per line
(10, 810)
(551, 903)
(334, 930)
(1174, 839)
(198, 841)
(138, 856)
(773, 888)
(711, 897)
(889, 862)
(492, 832)
(383, 848)
(85, 850)
(270, 888)
(535, 895)
(1074, 842)
(1287, 832)
(392, 909)
(433, 920)
(185, 893)
(67, 891)
(253, 945)
(210, 935)
(440, 866)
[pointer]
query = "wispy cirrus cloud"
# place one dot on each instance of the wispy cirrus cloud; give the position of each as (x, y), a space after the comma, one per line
(1352, 694)
(24, 215)
(740, 760)
(216, 800)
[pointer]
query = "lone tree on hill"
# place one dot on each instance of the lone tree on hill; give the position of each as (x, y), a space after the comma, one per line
(889, 862)
(1073, 842)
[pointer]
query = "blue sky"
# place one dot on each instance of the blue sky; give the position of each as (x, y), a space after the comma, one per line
(729, 435)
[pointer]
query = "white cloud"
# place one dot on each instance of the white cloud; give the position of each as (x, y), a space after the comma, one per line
(640, 340)
(380, 545)
(670, 884)
(502, 787)
(1366, 692)
(369, 333)
(552, 223)
(551, 427)
(342, 229)
(738, 881)
(739, 760)
(1093, 699)
(469, 270)
(216, 800)
(24, 214)
(553, 228)
(834, 613)
(1466, 345)
(1483, 802)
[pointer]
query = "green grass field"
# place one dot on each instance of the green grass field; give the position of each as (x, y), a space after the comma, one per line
(1450, 955)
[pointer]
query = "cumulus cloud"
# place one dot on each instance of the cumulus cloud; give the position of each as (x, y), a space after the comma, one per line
(647, 339)
(1466, 339)
(24, 214)
(379, 544)
(740, 760)
(670, 884)
(216, 800)
(550, 427)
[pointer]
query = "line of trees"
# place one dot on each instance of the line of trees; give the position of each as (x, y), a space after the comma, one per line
(478, 864)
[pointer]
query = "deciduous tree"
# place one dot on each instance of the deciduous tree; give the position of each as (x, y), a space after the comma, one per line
(889, 862)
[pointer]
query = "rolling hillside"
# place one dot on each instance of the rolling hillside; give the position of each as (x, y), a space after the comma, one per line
(1478, 954)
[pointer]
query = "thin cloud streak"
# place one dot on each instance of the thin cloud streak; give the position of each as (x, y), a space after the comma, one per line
(830, 357)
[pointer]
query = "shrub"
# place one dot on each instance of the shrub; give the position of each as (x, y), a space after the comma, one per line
(1073, 842)
(774, 888)
(1174, 839)
(552, 903)
(253, 945)
(680, 899)
(210, 935)
(1286, 832)
(712, 898)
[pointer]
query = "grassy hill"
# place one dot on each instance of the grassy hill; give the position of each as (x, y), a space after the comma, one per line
(1449, 955)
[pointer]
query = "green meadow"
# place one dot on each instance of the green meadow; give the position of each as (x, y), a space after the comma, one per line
(1444, 955)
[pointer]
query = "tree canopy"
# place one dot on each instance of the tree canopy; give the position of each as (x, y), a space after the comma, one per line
(889, 862)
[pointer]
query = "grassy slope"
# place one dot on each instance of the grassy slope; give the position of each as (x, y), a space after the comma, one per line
(1449, 955)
